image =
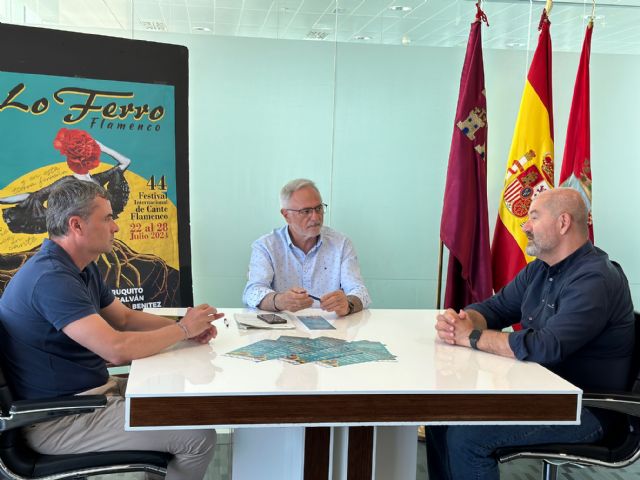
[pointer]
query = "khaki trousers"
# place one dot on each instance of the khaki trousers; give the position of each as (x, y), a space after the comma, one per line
(103, 430)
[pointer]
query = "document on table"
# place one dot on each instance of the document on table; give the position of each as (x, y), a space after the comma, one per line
(365, 351)
(315, 322)
(265, 350)
(325, 351)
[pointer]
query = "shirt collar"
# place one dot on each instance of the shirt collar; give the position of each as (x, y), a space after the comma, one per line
(571, 259)
(54, 249)
(290, 242)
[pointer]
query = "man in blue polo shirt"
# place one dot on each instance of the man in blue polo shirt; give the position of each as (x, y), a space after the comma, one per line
(577, 320)
(63, 323)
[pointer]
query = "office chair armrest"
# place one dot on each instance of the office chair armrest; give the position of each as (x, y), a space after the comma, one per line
(622, 402)
(28, 412)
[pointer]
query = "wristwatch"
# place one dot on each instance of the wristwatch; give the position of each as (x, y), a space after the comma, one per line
(474, 336)
(352, 307)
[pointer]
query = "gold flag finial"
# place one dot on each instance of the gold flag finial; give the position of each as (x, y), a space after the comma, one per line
(593, 13)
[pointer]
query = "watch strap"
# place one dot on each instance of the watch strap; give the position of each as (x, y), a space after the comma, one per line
(352, 307)
(474, 336)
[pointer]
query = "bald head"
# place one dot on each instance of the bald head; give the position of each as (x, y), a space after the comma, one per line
(566, 200)
(557, 225)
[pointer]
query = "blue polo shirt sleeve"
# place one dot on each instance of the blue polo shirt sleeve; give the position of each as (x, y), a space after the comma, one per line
(62, 297)
(580, 316)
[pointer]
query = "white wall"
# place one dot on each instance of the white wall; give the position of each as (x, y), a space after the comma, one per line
(372, 125)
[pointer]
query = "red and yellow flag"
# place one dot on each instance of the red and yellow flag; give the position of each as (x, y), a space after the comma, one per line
(530, 164)
(576, 162)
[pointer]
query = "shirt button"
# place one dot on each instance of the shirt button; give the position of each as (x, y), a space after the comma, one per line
(551, 279)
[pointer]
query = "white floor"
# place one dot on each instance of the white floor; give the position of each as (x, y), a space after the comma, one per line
(517, 470)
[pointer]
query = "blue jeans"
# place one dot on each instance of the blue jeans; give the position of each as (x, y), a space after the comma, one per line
(465, 452)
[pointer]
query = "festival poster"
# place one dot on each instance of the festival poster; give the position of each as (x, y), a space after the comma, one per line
(118, 134)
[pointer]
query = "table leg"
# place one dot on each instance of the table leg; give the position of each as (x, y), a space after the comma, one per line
(360, 461)
(317, 445)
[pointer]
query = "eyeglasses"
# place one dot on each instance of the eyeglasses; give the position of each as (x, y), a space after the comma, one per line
(305, 212)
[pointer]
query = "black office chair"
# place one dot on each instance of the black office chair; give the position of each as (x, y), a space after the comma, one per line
(18, 461)
(619, 448)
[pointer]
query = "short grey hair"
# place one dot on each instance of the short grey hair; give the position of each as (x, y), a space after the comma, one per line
(71, 197)
(292, 187)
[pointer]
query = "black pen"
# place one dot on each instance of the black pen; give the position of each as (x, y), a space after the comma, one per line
(313, 296)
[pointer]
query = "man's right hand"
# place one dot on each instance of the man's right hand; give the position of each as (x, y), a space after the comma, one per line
(293, 299)
(198, 319)
(449, 324)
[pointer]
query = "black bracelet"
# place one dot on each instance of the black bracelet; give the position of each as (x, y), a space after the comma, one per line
(275, 307)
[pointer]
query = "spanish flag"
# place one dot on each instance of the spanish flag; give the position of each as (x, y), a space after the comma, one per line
(576, 163)
(529, 166)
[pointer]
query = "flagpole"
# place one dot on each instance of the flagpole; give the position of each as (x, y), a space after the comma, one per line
(548, 6)
(439, 283)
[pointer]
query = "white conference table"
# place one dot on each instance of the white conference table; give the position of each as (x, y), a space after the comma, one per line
(197, 386)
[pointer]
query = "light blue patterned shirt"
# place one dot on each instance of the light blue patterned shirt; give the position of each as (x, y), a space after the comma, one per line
(278, 265)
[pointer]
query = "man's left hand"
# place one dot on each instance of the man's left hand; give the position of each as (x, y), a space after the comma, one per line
(335, 302)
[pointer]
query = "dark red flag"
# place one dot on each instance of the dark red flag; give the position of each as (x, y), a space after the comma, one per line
(464, 227)
(576, 162)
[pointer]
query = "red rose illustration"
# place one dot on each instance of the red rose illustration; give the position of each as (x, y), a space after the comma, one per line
(82, 151)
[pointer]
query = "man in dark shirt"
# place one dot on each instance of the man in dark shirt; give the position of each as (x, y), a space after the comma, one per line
(577, 319)
(62, 323)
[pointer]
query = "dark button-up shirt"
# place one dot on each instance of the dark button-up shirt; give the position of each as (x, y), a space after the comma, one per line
(576, 316)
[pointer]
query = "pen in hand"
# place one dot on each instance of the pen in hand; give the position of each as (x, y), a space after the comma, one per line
(313, 296)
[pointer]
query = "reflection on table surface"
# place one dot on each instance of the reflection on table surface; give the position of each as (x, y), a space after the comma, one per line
(424, 364)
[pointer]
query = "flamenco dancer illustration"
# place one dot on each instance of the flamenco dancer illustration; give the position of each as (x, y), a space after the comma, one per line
(83, 154)
(122, 268)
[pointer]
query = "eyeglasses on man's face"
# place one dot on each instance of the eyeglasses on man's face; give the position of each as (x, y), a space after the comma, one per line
(306, 212)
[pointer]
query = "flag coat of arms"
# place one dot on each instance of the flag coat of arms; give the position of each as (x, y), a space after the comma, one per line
(529, 169)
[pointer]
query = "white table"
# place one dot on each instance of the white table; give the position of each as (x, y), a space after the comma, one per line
(196, 386)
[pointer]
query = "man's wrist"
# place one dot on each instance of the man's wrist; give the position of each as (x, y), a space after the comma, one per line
(275, 305)
(184, 329)
(352, 307)
(474, 337)
(355, 304)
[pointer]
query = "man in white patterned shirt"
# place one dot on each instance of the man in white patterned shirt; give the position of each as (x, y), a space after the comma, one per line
(303, 262)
